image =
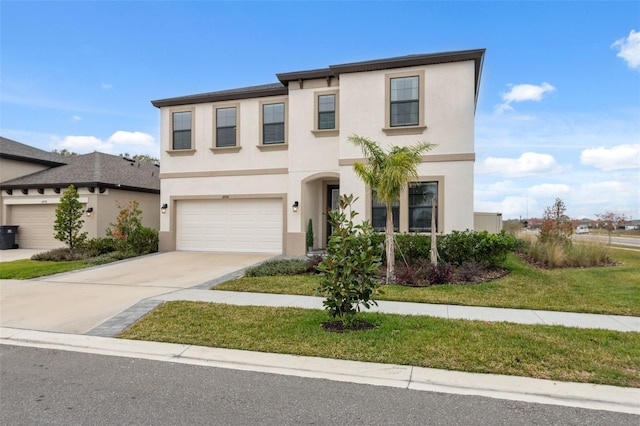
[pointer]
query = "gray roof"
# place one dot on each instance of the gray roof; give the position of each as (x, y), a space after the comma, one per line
(13, 150)
(94, 170)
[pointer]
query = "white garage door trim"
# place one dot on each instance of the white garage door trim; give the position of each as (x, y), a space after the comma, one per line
(230, 225)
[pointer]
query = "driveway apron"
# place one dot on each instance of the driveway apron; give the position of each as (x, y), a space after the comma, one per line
(78, 301)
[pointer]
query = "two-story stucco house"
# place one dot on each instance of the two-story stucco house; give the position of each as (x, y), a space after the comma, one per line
(245, 169)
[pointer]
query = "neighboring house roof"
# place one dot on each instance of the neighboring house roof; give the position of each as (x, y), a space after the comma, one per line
(94, 170)
(12, 150)
(333, 71)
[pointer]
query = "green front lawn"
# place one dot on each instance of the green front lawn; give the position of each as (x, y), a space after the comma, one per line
(602, 290)
(25, 269)
(546, 352)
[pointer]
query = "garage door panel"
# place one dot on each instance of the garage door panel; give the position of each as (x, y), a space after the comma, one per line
(251, 225)
(35, 226)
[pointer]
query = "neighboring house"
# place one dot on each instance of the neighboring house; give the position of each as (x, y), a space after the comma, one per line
(245, 169)
(32, 181)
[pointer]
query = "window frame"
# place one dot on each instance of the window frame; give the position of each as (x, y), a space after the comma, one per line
(405, 129)
(181, 151)
(404, 204)
(429, 205)
(381, 205)
(316, 114)
(279, 145)
(230, 148)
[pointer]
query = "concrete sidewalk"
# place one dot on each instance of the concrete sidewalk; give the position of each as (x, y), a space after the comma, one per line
(519, 316)
(582, 395)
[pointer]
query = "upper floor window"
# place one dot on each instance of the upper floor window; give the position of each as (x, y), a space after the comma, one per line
(423, 198)
(226, 127)
(326, 112)
(181, 124)
(405, 101)
(273, 131)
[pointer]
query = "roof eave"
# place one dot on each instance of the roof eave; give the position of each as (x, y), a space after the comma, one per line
(222, 96)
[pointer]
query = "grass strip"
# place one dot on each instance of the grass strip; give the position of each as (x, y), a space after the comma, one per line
(25, 269)
(545, 352)
(600, 290)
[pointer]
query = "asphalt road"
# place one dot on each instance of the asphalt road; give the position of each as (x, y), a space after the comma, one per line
(43, 386)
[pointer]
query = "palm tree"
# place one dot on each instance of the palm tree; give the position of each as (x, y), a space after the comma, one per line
(388, 173)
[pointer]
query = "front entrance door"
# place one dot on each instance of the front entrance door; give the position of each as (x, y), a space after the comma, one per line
(333, 193)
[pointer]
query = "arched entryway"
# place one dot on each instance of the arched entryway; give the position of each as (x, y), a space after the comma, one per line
(319, 192)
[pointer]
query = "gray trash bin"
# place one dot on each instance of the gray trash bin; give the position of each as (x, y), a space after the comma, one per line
(8, 237)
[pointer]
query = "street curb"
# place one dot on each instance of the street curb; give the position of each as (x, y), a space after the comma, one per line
(580, 395)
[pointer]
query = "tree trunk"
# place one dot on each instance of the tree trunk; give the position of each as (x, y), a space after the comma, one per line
(434, 243)
(390, 247)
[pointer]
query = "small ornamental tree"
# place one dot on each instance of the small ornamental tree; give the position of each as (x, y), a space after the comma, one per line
(309, 236)
(127, 223)
(610, 221)
(556, 226)
(349, 271)
(69, 219)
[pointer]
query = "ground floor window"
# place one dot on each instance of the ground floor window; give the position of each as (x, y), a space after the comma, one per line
(379, 213)
(422, 205)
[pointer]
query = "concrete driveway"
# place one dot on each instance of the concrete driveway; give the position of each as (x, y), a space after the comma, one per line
(78, 301)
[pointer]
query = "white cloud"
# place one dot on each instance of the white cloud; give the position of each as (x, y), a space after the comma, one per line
(528, 164)
(614, 158)
(139, 139)
(118, 143)
(511, 207)
(629, 49)
(549, 190)
(523, 92)
(76, 118)
(82, 144)
(107, 86)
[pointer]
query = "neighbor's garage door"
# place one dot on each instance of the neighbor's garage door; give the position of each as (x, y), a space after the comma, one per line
(35, 223)
(251, 225)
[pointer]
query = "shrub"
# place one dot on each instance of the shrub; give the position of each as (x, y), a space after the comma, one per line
(107, 258)
(143, 240)
(278, 267)
(349, 271)
(459, 247)
(440, 274)
(101, 245)
(411, 247)
(58, 255)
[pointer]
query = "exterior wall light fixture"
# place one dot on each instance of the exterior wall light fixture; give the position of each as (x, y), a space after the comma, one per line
(89, 211)
(164, 207)
(295, 206)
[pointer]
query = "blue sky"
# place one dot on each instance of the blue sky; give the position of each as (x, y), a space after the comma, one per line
(558, 113)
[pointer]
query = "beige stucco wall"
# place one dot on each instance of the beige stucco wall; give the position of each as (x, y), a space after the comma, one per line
(104, 206)
(311, 161)
(11, 169)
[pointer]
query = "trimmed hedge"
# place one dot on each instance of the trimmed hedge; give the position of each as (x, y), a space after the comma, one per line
(456, 248)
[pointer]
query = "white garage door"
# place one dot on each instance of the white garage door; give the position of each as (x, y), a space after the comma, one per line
(35, 226)
(251, 225)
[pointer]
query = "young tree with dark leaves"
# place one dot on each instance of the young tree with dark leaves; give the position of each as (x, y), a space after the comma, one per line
(69, 219)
